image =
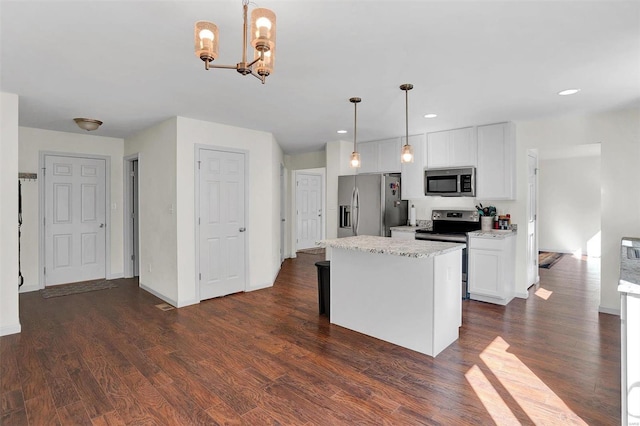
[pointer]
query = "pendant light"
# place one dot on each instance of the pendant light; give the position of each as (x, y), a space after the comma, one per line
(407, 150)
(355, 157)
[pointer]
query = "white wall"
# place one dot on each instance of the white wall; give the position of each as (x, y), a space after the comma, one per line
(32, 142)
(568, 203)
(156, 149)
(263, 228)
(9, 315)
(308, 160)
(618, 132)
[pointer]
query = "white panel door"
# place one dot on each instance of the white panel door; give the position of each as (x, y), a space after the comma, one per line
(309, 210)
(75, 225)
(221, 228)
(532, 206)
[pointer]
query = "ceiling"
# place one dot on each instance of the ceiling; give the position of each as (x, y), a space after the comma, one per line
(131, 64)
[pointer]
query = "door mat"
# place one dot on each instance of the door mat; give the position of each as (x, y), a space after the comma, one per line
(314, 250)
(547, 259)
(75, 288)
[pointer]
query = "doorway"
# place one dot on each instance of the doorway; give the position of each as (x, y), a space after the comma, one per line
(221, 234)
(74, 195)
(532, 218)
(309, 208)
(131, 216)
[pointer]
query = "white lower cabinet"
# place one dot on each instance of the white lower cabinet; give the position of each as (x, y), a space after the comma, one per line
(491, 273)
(403, 235)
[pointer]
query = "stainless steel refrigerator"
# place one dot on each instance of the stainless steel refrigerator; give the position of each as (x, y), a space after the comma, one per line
(370, 204)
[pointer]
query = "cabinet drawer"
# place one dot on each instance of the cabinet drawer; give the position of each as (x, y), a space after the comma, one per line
(486, 244)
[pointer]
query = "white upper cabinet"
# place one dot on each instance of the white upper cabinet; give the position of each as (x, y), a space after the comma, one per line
(368, 157)
(496, 172)
(381, 156)
(451, 148)
(413, 173)
(389, 155)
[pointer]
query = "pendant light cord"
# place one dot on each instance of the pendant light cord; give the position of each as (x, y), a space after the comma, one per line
(406, 116)
(355, 124)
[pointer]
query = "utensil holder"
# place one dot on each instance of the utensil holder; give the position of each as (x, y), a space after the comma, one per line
(486, 223)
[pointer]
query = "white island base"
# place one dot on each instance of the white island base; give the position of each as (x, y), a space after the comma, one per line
(414, 302)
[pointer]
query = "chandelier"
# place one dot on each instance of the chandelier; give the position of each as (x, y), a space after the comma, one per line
(263, 40)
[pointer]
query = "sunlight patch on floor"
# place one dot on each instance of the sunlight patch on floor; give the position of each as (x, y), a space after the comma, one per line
(515, 389)
(490, 398)
(543, 293)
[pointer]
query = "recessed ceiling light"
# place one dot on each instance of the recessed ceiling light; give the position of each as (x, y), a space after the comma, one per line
(342, 131)
(568, 92)
(430, 115)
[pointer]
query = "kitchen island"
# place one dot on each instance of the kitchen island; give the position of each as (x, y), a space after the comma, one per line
(406, 292)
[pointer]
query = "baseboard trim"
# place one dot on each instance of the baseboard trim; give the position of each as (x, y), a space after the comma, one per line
(10, 329)
(116, 276)
(260, 287)
(29, 288)
(159, 295)
(522, 295)
(610, 311)
(187, 303)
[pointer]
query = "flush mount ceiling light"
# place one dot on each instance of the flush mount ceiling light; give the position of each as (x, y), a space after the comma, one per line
(407, 150)
(87, 124)
(263, 40)
(430, 115)
(355, 157)
(342, 132)
(568, 92)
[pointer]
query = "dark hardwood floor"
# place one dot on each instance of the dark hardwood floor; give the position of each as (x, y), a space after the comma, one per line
(111, 357)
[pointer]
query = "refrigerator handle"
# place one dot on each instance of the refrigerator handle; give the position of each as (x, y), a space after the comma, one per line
(353, 212)
(357, 193)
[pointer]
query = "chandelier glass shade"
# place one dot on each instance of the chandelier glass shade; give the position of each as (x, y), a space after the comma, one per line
(262, 31)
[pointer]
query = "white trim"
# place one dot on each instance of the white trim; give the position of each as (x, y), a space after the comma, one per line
(115, 276)
(10, 329)
(522, 295)
(610, 311)
(322, 171)
(41, 208)
(158, 295)
(29, 288)
(126, 212)
(197, 148)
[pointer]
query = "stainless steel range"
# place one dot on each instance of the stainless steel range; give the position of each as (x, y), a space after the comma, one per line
(452, 226)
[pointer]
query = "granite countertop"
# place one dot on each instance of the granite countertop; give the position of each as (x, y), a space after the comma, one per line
(393, 246)
(406, 228)
(494, 233)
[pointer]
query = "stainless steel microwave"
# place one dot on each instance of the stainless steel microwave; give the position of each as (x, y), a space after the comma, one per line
(450, 182)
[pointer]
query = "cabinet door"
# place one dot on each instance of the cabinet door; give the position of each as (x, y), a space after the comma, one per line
(438, 149)
(495, 175)
(368, 157)
(389, 155)
(463, 147)
(413, 173)
(402, 235)
(485, 273)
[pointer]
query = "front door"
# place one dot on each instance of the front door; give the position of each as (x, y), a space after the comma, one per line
(532, 208)
(74, 219)
(308, 210)
(221, 227)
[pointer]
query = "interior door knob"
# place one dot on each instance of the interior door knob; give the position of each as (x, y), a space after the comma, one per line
(242, 229)
(102, 225)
